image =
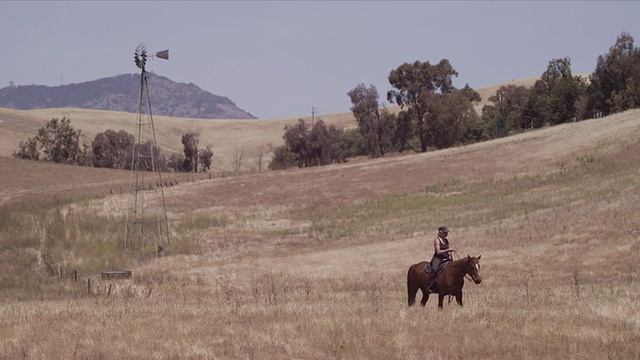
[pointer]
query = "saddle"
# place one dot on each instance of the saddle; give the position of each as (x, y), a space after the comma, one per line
(434, 278)
(443, 264)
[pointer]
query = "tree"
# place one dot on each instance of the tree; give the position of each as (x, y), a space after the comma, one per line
(375, 124)
(554, 98)
(506, 113)
(176, 161)
(190, 142)
(205, 158)
(450, 116)
(149, 157)
(296, 140)
(324, 145)
(352, 144)
(238, 159)
(615, 83)
(414, 83)
(404, 135)
(111, 149)
(258, 155)
(28, 150)
(60, 142)
(564, 99)
(194, 159)
(283, 158)
(308, 146)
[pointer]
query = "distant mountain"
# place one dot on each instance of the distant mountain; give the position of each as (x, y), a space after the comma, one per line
(122, 93)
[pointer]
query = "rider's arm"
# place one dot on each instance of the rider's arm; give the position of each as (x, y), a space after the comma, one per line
(436, 246)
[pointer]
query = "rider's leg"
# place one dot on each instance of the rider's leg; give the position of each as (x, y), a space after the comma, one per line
(435, 265)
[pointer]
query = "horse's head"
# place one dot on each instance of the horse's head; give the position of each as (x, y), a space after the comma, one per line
(473, 268)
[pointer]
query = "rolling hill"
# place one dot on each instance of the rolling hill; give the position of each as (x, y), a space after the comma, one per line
(121, 93)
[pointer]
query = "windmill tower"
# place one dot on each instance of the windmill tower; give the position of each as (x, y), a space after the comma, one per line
(146, 221)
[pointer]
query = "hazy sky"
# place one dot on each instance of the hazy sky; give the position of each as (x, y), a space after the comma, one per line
(281, 58)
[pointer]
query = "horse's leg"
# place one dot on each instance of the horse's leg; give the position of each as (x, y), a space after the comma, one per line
(425, 296)
(459, 298)
(412, 286)
(440, 299)
(412, 289)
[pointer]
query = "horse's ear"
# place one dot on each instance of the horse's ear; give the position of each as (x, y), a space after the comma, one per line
(468, 257)
(479, 256)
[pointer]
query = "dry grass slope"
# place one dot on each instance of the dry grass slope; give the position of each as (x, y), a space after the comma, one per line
(311, 263)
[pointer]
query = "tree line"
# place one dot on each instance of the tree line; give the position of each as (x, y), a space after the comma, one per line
(59, 142)
(435, 115)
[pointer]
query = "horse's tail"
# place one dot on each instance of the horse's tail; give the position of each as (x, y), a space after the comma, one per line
(412, 285)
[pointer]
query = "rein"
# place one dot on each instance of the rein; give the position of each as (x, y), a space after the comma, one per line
(466, 276)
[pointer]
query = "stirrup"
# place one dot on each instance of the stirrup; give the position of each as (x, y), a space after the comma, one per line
(431, 286)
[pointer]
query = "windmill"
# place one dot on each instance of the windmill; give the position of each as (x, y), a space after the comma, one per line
(146, 221)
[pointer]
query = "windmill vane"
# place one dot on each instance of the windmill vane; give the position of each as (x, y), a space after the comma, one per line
(164, 54)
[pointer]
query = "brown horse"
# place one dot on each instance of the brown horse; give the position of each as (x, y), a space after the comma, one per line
(450, 280)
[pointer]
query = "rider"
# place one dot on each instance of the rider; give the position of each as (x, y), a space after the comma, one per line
(442, 253)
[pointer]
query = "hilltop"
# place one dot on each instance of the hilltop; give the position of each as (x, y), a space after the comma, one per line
(121, 93)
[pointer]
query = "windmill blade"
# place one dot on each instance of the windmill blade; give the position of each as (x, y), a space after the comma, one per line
(140, 56)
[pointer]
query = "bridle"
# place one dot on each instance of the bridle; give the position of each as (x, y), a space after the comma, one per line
(466, 275)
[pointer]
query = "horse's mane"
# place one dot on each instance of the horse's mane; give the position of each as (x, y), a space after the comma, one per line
(461, 261)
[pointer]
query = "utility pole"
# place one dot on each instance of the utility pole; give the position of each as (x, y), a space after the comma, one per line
(313, 114)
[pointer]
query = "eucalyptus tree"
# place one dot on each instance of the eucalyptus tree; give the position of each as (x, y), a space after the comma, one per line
(190, 141)
(195, 159)
(375, 123)
(615, 83)
(505, 114)
(555, 97)
(414, 86)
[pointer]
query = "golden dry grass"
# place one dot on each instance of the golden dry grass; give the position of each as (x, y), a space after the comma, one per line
(311, 263)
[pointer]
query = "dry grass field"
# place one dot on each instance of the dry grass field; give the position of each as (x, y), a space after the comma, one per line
(311, 263)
